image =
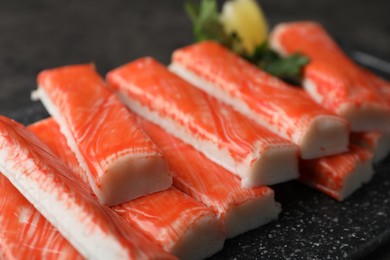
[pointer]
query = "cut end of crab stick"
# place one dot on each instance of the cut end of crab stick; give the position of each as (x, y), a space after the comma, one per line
(325, 134)
(120, 161)
(252, 214)
(47, 183)
(119, 186)
(240, 209)
(176, 222)
(339, 175)
(276, 165)
(250, 151)
(203, 239)
(378, 143)
(366, 117)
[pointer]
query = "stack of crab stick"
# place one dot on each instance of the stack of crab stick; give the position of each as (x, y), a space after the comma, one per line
(252, 152)
(287, 111)
(160, 163)
(120, 160)
(94, 230)
(187, 228)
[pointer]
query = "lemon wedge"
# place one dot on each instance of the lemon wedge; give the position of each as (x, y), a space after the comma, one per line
(246, 19)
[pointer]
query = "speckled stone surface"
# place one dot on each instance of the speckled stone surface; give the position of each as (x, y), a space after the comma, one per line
(39, 34)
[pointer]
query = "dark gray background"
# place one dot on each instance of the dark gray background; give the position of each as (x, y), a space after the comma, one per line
(40, 34)
(35, 35)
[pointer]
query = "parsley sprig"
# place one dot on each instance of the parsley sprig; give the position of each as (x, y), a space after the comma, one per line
(207, 25)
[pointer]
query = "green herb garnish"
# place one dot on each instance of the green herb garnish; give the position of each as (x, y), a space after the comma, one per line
(208, 26)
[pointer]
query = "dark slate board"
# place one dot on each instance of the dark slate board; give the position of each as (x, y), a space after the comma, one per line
(311, 225)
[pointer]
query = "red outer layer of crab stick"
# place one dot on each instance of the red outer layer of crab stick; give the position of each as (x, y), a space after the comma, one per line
(48, 184)
(170, 218)
(240, 209)
(256, 155)
(333, 80)
(283, 109)
(339, 175)
(120, 160)
(49, 132)
(177, 222)
(25, 233)
(378, 143)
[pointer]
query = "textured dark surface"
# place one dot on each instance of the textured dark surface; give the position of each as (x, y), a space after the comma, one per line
(39, 34)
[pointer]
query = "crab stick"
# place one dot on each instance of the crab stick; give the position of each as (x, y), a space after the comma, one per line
(49, 132)
(177, 222)
(339, 175)
(25, 233)
(238, 208)
(378, 143)
(256, 155)
(120, 160)
(285, 110)
(173, 220)
(45, 181)
(332, 79)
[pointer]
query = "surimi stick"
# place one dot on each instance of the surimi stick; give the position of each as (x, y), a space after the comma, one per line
(120, 161)
(49, 132)
(25, 233)
(248, 150)
(378, 143)
(46, 182)
(332, 79)
(285, 110)
(240, 209)
(177, 222)
(173, 220)
(339, 175)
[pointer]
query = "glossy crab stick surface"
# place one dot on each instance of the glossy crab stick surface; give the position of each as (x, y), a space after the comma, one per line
(25, 233)
(49, 132)
(48, 184)
(175, 221)
(332, 79)
(248, 150)
(120, 160)
(340, 175)
(238, 208)
(378, 143)
(285, 110)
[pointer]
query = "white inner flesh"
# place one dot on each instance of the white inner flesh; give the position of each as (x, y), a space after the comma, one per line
(276, 165)
(127, 177)
(251, 214)
(362, 174)
(202, 240)
(362, 118)
(365, 117)
(274, 39)
(63, 212)
(269, 172)
(334, 140)
(325, 136)
(383, 147)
